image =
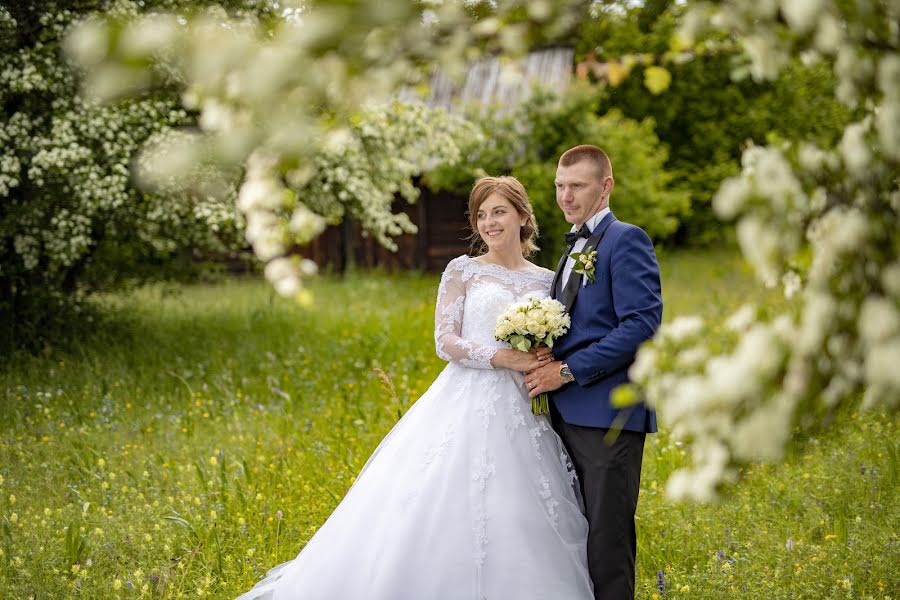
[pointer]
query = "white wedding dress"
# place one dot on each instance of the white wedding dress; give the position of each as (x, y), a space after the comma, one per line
(470, 496)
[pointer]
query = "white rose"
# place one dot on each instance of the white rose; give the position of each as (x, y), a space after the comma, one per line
(535, 327)
(518, 321)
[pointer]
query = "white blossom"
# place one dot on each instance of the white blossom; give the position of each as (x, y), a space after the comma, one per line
(767, 58)
(681, 328)
(855, 149)
(879, 320)
(730, 197)
(760, 244)
(742, 318)
(644, 364)
(157, 30)
(829, 34)
(263, 194)
(701, 482)
(692, 358)
(792, 284)
(812, 158)
(818, 314)
(305, 224)
(87, 41)
(887, 124)
(763, 433)
(308, 268)
(801, 15)
(890, 278)
(282, 273)
(881, 364)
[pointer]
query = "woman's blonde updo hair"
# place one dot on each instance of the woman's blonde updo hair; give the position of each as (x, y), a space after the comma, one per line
(511, 189)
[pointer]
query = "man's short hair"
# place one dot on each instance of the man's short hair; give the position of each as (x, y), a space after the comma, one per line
(587, 152)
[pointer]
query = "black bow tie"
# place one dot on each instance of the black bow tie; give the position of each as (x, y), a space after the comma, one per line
(572, 236)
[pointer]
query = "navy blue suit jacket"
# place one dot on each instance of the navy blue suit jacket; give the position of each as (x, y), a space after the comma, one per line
(611, 317)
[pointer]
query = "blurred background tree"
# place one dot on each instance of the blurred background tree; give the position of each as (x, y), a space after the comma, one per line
(72, 219)
(712, 109)
(95, 196)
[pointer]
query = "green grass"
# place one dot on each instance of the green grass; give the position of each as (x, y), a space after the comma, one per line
(200, 435)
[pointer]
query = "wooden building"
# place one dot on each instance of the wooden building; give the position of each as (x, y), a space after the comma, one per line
(443, 234)
(441, 217)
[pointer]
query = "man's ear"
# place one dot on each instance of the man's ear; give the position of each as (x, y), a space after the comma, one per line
(608, 184)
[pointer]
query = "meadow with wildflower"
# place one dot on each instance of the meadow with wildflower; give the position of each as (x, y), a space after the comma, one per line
(815, 216)
(197, 436)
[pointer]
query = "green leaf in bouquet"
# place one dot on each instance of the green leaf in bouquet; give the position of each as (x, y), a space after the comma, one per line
(520, 342)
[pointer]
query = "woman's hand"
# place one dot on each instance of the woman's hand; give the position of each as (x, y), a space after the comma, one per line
(517, 360)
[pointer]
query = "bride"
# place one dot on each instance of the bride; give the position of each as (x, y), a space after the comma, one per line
(469, 496)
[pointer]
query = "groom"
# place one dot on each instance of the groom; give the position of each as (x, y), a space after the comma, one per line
(615, 304)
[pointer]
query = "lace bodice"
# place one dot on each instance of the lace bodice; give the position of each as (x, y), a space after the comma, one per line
(471, 297)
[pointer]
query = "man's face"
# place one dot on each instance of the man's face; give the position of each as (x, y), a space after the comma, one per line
(580, 192)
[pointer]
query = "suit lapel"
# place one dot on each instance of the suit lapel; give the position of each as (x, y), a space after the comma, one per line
(568, 294)
(554, 289)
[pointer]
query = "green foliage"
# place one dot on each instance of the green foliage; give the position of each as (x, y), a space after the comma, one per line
(707, 119)
(527, 144)
(612, 32)
(711, 110)
(202, 435)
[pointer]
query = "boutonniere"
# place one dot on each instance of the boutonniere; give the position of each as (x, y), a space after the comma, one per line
(584, 264)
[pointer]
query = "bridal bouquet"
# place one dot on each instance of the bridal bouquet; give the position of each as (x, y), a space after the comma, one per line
(532, 323)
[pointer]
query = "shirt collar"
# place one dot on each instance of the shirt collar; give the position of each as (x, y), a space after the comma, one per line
(595, 220)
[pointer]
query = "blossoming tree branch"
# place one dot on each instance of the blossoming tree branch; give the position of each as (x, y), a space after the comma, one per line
(289, 97)
(819, 222)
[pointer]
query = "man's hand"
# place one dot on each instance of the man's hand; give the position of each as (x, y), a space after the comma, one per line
(544, 379)
(508, 358)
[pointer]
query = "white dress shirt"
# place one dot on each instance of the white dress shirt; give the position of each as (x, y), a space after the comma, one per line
(580, 243)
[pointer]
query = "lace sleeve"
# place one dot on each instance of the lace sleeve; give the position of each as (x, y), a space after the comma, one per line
(448, 318)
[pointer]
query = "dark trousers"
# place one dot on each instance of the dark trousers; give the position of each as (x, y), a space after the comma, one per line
(610, 476)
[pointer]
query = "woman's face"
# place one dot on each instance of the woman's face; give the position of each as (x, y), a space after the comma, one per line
(499, 223)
